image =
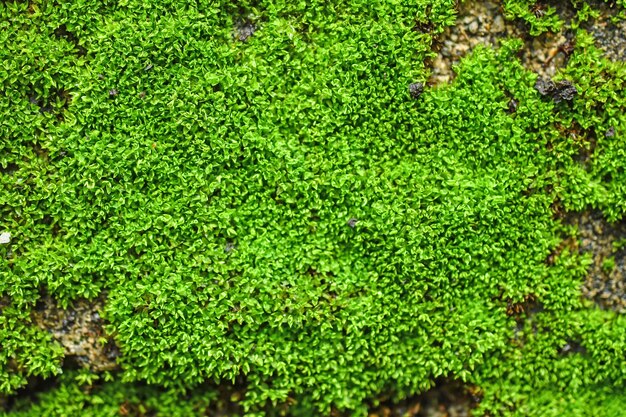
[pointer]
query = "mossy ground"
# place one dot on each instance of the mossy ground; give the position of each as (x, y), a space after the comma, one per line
(270, 217)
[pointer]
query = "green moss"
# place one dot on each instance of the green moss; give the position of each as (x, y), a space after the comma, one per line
(73, 397)
(608, 264)
(541, 16)
(26, 350)
(282, 211)
(595, 124)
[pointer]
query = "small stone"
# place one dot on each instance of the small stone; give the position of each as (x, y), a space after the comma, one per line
(559, 91)
(544, 87)
(473, 27)
(449, 43)
(352, 222)
(610, 132)
(416, 89)
(461, 49)
(244, 30)
(565, 90)
(113, 93)
(5, 237)
(498, 24)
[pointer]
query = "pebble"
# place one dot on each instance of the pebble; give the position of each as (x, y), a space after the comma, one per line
(416, 90)
(462, 49)
(498, 24)
(245, 30)
(5, 237)
(473, 27)
(610, 132)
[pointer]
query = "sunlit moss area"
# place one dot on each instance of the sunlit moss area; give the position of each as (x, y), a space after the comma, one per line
(277, 213)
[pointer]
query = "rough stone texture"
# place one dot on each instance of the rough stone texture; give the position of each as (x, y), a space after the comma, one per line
(244, 29)
(606, 286)
(483, 23)
(558, 91)
(79, 330)
(416, 89)
(610, 36)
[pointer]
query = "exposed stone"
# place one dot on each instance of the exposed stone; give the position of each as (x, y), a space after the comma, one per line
(610, 132)
(416, 89)
(559, 91)
(606, 281)
(244, 29)
(609, 33)
(80, 331)
(484, 23)
(498, 24)
(473, 27)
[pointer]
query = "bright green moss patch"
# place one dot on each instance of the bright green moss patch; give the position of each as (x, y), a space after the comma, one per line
(544, 16)
(280, 213)
(596, 125)
(540, 17)
(99, 398)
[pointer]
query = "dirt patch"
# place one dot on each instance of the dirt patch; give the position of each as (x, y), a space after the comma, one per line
(79, 330)
(606, 281)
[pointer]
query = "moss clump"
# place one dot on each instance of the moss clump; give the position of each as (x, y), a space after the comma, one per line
(542, 16)
(279, 211)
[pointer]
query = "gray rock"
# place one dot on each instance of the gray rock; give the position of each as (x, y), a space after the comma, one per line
(498, 24)
(473, 27)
